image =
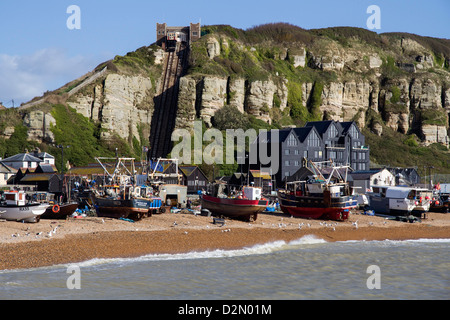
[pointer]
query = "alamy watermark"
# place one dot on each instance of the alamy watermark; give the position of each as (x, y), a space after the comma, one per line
(74, 280)
(233, 151)
(374, 21)
(374, 280)
(74, 20)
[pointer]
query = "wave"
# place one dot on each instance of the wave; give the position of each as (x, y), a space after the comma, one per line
(259, 249)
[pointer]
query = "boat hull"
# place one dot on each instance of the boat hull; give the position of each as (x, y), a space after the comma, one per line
(234, 208)
(394, 207)
(317, 208)
(28, 213)
(64, 211)
(134, 209)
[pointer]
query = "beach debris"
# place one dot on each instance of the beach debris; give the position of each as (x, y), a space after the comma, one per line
(219, 221)
(125, 219)
(226, 230)
(185, 232)
(355, 224)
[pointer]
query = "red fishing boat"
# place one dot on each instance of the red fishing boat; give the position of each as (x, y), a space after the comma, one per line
(245, 205)
(319, 198)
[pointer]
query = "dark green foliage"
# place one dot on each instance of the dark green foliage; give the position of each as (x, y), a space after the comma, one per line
(74, 130)
(230, 117)
(395, 94)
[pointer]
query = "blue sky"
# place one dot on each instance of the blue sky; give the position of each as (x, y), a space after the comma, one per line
(39, 53)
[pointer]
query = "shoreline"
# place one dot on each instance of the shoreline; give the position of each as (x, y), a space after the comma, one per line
(26, 246)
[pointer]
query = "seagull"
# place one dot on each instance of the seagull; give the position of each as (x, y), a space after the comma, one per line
(355, 224)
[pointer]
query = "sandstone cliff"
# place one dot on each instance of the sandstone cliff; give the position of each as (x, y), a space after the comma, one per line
(278, 74)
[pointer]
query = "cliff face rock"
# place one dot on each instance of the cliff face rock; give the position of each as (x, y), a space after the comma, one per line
(204, 96)
(380, 81)
(39, 124)
(119, 102)
(213, 97)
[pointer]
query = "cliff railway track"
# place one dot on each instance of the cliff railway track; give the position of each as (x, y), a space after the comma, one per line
(163, 120)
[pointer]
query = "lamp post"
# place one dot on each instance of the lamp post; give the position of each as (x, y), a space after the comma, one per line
(62, 164)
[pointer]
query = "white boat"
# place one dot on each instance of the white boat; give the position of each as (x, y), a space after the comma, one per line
(396, 201)
(15, 206)
(422, 200)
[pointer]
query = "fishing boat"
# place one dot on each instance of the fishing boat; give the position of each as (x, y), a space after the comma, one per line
(17, 206)
(244, 205)
(121, 198)
(60, 211)
(422, 200)
(440, 203)
(396, 201)
(57, 209)
(317, 197)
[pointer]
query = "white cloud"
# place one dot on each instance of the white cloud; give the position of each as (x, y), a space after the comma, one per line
(24, 77)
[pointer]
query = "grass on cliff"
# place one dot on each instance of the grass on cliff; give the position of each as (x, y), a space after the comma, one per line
(84, 138)
(394, 149)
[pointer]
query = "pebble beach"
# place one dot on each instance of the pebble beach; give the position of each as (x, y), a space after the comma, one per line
(54, 242)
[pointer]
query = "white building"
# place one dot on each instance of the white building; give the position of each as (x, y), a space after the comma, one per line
(22, 160)
(363, 181)
(6, 172)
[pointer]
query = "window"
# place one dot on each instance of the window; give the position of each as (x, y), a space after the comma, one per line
(333, 154)
(287, 163)
(354, 132)
(292, 141)
(286, 152)
(313, 140)
(305, 154)
(287, 174)
(333, 131)
(296, 163)
(296, 152)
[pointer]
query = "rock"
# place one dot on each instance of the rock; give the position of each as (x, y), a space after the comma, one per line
(260, 99)
(435, 134)
(186, 104)
(236, 93)
(120, 103)
(214, 97)
(39, 124)
(375, 62)
(213, 48)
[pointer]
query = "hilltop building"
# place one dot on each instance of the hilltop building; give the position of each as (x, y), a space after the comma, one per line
(165, 35)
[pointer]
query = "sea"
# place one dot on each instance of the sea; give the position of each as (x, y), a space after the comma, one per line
(304, 269)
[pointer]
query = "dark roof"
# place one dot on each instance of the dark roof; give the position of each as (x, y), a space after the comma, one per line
(346, 126)
(6, 169)
(363, 175)
(22, 157)
(321, 126)
(45, 168)
(43, 155)
(36, 177)
(282, 135)
(302, 133)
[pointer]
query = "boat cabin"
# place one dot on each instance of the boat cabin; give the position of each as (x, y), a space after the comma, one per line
(13, 198)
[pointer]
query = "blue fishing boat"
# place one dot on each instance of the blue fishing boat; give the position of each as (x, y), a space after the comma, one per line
(122, 198)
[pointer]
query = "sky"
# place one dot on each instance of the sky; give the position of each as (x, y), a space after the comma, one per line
(39, 52)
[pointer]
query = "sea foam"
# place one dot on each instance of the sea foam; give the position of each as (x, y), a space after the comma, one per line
(258, 249)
